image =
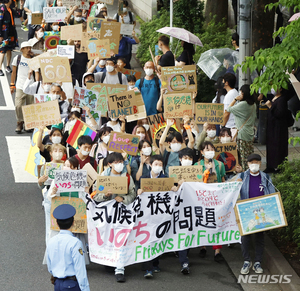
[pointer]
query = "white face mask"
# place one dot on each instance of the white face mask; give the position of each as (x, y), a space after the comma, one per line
(131, 87)
(141, 135)
(159, 48)
(102, 62)
(225, 139)
(209, 154)
(40, 34)
(147, 151)
(273, 92)
(124, 10)
(109, 68)
(106, 139)
(118, 167)
(156, 169)
(149, 72)
(57, 156)
(146, 126)
(175, 147)
(254, 168)
(56, 139)
(84, 153)
(79, 18)
(66, 168)
(211, 133)
(186, 162)
(113, 119)
(47, 87)
(55, 27)
(72, 122)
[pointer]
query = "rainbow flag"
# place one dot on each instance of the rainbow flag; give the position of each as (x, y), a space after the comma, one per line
(80, 128)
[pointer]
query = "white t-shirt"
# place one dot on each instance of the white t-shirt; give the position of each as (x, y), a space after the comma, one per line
(110, 79)
(22, 71)
(229, 97)
(116, 127)
(126, 18)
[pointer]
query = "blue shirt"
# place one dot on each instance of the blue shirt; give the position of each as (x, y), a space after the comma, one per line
(125, 46)
(35, 6)
(150, 94)
(65, 258)
(101, 70)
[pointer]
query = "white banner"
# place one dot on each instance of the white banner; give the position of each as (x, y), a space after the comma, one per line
(198, 214)
(54, 14)
(70, 180)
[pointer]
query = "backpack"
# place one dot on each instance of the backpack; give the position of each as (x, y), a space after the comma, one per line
(156, 84)
(104, 75)
(130, 17)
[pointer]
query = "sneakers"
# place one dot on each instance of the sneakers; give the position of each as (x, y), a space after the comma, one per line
(202, 253)
(8, 70)
(257, 268)
(246, 268)
(1, 73)
(24, 28)
(185, 269)
(156, 269)
(219, 258)
(120, 278)
(148, 275)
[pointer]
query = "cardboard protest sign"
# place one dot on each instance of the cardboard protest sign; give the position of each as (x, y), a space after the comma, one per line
(296, 84)
(99, 48)
(128, 72)
(36, 18)
(80, 128)
(34, 63)
(105, 90)
(118, 185)
(70, 180)
(141, 109)
(227, 154)
(91, 174)
(38, 98)
(51, 41)
(120, 7)
(152, 57)
(111, 31)
(55, 69)
(127, 29)
(188, 173)
(260, 214)
(109, 2)
(80, 223)
(157, 124)
(66, 51)
(82, 4)
(212, 113)
(120, 142)
(123, 103)
(50, 169)
(54, 14)
(178, 105)
(94, 23)
(71, 31)
(154, 185)
(41, 114)
(86, 37)
(179, 79)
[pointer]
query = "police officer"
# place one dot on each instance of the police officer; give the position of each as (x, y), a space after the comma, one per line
(65, 258)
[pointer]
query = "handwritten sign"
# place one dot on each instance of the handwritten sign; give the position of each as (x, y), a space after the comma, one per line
(99, 48)
(91, 174)
(178, 105)
(54, 14)
(55, 69)
(82, 4)
(38, 98)
(120, 142)
(51, 41)
(86, 37)
(109, 2)
(118, 185)
(94, 23)
(211, 113)
(71, 31)
(128, 72)
(141, 109)
(188, 173)
(127, 29)
(154, 185)
(34, 63)
(179, 79)
(41, 114)
(80, 222)
(66, 51)
(36, 18)
(227, 154)
(85, 97)
(50, 169)
(70, 180)
(111, 31)
(123, 103)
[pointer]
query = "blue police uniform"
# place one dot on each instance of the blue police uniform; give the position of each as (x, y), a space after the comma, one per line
(65, 258)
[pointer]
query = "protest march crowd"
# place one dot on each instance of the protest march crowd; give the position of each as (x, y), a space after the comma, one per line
(96, 116)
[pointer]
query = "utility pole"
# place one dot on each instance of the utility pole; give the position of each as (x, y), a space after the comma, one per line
(171, 18)
(245, 35)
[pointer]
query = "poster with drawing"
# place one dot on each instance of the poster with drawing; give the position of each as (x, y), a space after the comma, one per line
(111, 30)
(99, 49)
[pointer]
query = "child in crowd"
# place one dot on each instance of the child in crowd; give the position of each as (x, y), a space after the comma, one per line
(131, 79)
(225, 135)
(121, 64)
(85, 145)
(117, 124)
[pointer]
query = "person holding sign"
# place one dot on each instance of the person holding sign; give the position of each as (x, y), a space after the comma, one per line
(255, 183)
(208, 134)
(85, 145)
(167, 59)
(69, 273)
(116, 168)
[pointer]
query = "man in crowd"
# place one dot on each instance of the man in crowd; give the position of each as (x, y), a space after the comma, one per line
(167, 59)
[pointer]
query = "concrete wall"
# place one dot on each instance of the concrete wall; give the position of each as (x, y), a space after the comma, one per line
(145, 9)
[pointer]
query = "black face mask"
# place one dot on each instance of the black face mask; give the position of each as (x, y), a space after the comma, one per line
(90, 81)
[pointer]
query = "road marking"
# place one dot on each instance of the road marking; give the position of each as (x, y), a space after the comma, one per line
(18, 148)
(6, 92)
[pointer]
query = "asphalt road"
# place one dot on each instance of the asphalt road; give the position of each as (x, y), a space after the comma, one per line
(22, 228)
